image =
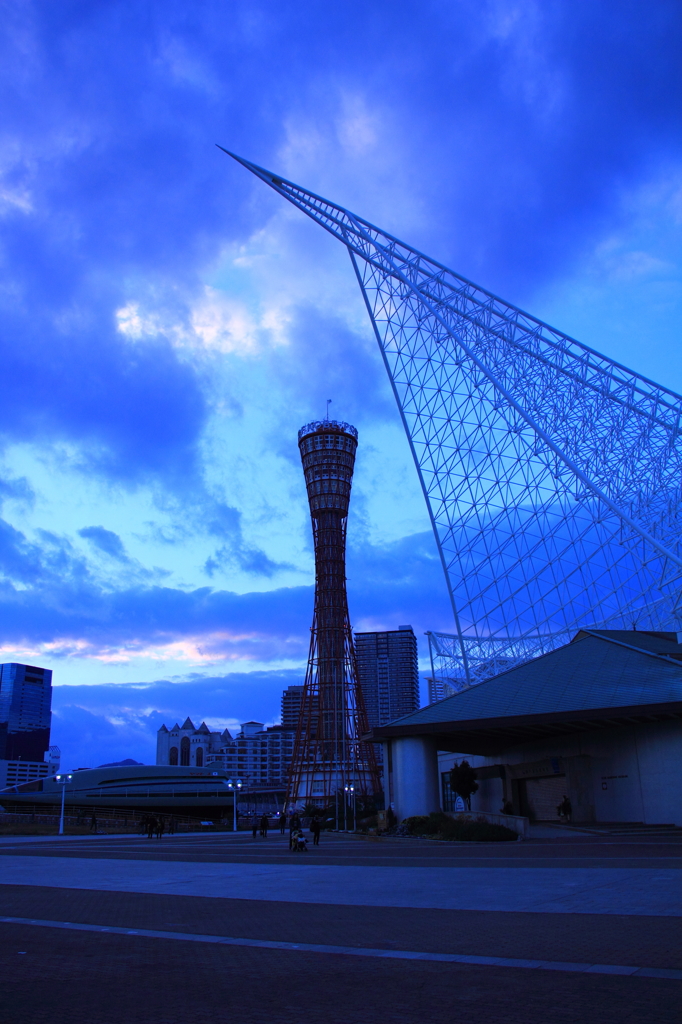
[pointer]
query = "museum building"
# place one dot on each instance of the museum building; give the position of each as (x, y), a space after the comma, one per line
(598, 720)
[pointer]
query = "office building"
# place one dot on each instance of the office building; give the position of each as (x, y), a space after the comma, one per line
(25, 712)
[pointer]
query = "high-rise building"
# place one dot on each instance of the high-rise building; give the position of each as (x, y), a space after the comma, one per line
(329, 756)
(439, 689)
(25, 712)
(388, 673)
(291, 706)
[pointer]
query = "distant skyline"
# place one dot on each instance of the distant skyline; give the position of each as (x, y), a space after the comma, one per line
(168, 323)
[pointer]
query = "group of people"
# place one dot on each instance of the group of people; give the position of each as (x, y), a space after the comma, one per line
(261, 823)
(154, 825)
(297, 839)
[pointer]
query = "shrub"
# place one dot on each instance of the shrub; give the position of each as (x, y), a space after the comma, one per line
(462, 829)
(465, 830)
(417, 825)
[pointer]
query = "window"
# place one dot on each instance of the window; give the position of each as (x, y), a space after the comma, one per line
(173, 755)
(184, 751)
(200, 757)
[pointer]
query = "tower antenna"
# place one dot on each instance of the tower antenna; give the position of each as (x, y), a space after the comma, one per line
(329, 402)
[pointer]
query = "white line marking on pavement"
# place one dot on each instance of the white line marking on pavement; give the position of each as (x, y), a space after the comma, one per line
(383, 954)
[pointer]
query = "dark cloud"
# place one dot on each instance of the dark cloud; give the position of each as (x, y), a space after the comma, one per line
(65, 603)
(516, 128)
(92, 724)
(105, 540)
(326, 359)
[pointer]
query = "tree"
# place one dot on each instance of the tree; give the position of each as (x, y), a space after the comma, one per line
(463, 781)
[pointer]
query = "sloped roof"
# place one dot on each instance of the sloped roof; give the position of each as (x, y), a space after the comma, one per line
(594, 673)
(204, 728)
(188, 724)
(654, 643)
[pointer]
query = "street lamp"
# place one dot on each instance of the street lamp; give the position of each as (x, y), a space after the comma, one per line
(235, 787)
(63, 781)
(351, 796)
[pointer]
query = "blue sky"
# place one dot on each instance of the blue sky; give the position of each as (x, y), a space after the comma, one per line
(168, 322)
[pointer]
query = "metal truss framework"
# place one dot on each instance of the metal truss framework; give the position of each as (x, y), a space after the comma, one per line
(551, 473)
(330, 760)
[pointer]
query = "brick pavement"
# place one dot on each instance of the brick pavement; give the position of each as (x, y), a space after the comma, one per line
(350, 850)
(636, 941)
(55, 976)
(71, 978)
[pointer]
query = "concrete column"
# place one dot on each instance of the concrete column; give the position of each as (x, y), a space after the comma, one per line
(388, 774)
(416, 788)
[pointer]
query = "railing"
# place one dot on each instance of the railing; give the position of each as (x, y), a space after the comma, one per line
(125, 820)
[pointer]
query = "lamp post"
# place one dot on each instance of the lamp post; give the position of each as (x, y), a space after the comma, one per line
(235, 787)
(350, 790)
(63, 781)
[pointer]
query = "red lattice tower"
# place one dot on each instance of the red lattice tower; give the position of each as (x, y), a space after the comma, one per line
(329, 754)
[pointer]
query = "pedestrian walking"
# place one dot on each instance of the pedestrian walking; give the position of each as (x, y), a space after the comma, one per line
(316, 828)
(264, 826)
(254, 826)
(282, 823)
(93, 822)
(160, 825)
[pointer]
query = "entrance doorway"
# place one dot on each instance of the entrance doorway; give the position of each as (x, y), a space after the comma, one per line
(540, 797)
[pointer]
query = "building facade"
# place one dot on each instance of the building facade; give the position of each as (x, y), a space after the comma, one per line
(259, 756)
(188, 746)
(388, 673)
(439, 689)
(256, 755)
(25, 712)
(15, 773)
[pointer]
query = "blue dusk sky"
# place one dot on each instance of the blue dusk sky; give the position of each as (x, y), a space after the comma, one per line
(168, 322)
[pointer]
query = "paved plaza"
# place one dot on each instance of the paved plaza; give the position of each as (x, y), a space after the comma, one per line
(221, 927)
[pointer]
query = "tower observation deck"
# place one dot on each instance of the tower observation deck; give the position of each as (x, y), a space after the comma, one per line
(328, 752)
